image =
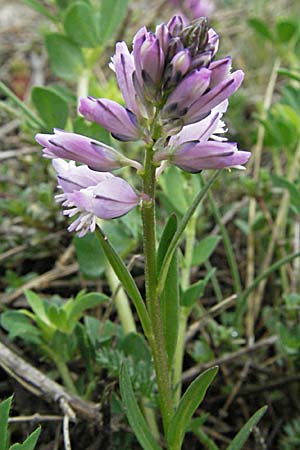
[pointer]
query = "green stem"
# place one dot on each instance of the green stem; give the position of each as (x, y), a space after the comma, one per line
(157, 342)
(62, 369)
(128, 324)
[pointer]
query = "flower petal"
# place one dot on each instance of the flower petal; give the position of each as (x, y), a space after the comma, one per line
(112, 116)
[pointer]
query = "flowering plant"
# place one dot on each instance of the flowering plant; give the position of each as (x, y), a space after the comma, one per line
(175, 95)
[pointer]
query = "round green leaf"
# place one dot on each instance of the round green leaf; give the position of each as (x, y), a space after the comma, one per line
(52, 108)
(80, 24)
(65, 56)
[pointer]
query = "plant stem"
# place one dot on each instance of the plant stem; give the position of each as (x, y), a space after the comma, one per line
(157, 342)
(128, 324)
(62, 369)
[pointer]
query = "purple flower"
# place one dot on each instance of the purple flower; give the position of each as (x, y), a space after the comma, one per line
(91, 194)
(198, 146)
(170, 75)
(109, 114)
(195, 156)
(96, 155)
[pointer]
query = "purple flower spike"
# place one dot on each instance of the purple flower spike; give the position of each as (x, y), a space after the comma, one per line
(94, 154)
(115, 118)
(220, 70)
(164, 36)
(191, 87)
(92, 194)
(152, 58)
(201, 107)
(196, 156)
(124, 67)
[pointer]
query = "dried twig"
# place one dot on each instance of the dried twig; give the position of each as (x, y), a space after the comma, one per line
(194, 371)
(40, 385)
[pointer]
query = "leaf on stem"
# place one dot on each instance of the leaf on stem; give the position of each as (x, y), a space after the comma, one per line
(53, 109)
(4, 413)
(238, 441)
(170, 300)
(196, 291)
(134, 414)
(126, 280)
(111, 16)
(29, 443)
(189, 402)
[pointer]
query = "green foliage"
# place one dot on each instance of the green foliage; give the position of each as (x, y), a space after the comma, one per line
(28, 444)
(133, 349)
(80, 24)
(53, 109)
(188, 404)
(134, 414)
(195, 291)
(239, 440)
(204, 249)
(66, 58)
(111, 16)
(290, 437)
(170, 300)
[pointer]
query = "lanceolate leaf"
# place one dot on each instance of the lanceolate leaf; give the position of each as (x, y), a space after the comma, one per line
(170, 294)
(134, 414)
(30, 442)
(4, 413)
(239, 440)
(189, 403)
(126, 280)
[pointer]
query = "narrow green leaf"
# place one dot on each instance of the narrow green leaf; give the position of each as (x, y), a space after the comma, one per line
(172, 182)
(4, 414)
(52, 108)
(40, 8)
(66, 58)
(170, 296)
(166, 238)
(196, 291)
(189, 403)
(134, 414)
(261, 28)
(29, 443)
(21, 105)
(289, 73)
(126, 280)
(240, 439)
(204, 249)
(80, 24)
(112, 15)
(180, 230)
